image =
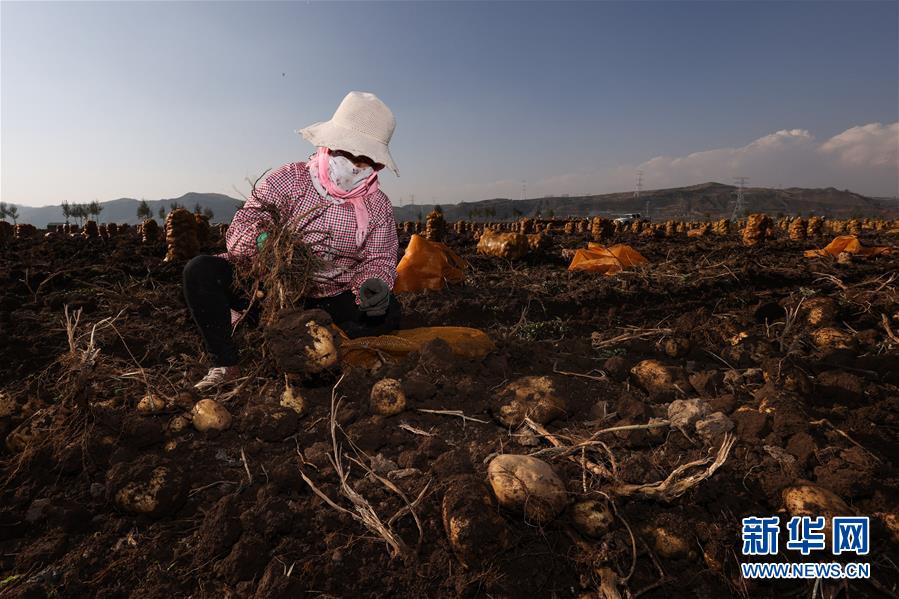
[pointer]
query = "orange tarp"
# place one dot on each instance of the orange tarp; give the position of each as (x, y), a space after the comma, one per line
(608, 261)
(849, 244)
(465, 342)
(428, 265)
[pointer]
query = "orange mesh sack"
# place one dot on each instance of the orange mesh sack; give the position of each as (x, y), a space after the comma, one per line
(849, 244)
(428, 265)
(608, 261)
(365, 351)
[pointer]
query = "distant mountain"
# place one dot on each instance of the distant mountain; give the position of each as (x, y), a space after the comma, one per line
(707, 200)
(124, 210)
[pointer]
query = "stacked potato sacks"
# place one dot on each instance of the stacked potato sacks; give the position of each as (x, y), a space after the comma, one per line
(510, 246)
(721, 227)
(91, 231)
(112, 229)
(181, 235)
(103, 232)
(149, 231)
(701, 230)
(538, 242)
(601, 228)
(6, 231)
(435, 227)
(854, 227)
(203, 229)
(815, 227)
(798, 229)
(757, 228)
(837, 227)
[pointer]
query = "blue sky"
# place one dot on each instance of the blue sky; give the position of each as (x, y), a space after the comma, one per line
(105, 100)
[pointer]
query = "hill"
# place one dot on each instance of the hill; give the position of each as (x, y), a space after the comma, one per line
(707, 200)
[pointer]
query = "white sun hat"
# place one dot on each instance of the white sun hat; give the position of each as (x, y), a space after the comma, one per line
(362, 125)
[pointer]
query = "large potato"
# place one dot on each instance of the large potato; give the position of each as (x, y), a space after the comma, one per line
(475, 530)
(209, 415)
(529, 485)
(301, 342)
(807, 499)
(530, 396)
(320, 348)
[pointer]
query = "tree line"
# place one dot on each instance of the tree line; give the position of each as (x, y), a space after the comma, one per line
(9, 210)
(144, 211)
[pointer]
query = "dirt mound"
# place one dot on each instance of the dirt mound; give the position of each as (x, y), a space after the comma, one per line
(631, 387)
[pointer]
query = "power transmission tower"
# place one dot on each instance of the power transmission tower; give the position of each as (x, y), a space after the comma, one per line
(524, 187)
(639, 188)
(739, 207)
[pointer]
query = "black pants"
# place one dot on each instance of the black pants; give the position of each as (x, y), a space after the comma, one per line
(210, 294)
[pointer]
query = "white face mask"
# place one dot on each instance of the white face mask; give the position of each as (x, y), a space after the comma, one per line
(346, 175)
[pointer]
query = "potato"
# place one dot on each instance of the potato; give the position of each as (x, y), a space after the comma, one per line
(301, 342)
(530, 396)
(387, 397)
(150, 404)
(178, 423)
(657, 378)
(527, 484)
(292, 400)
(807, 499)
(832, 337)
(820, 310)
(669, 543)
(593, 518)
(141, 487)
(208, 415)
(320, 348)
(475, 530)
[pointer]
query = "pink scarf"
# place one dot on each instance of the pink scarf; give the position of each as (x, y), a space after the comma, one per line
(356, 196)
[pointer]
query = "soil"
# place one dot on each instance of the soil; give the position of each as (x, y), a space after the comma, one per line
(99, 499)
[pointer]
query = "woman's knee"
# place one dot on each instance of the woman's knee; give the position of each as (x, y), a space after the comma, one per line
(204, 269)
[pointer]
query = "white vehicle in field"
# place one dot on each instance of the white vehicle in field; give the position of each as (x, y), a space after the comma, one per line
(628, 218)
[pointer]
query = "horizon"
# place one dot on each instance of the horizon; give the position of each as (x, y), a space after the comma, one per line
(526, 100)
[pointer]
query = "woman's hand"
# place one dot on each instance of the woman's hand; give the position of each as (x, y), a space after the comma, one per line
(374, 297)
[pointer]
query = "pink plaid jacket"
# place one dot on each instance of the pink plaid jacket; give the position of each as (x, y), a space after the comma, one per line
(329, 229)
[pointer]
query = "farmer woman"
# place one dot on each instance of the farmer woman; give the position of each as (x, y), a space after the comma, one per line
(334, 199)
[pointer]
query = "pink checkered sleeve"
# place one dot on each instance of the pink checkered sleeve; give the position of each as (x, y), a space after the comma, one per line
(254, 217)
(379, 254)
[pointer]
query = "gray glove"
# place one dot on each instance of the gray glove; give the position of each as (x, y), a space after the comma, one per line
(374, 297)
